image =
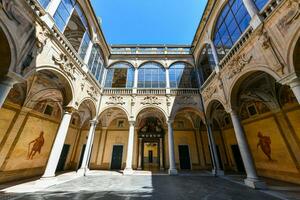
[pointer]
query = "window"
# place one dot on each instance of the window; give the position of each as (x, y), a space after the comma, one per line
(84, 45)
(63, 13)
(120, 75)
(260, 3)
(96, 63)
(232, 22)
(152, 75)
(206, 63)
(182, 75)
(48, 110)
(44, 3)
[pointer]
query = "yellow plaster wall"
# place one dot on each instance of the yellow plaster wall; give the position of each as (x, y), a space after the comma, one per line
(294, 118)
(205, 142)
(186, 138)
(6, 118)
(33, 126)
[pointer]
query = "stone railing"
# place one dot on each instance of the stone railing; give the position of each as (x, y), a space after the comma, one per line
(208, 80)
(185, 91)
(270, 7)
(124, 91)
(151, 91)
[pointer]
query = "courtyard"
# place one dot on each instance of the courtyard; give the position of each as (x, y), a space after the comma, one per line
(143, 185)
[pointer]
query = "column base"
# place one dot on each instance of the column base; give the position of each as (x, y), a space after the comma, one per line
(47, 180)
(162, 169)
(82, 171)
(255, 183)
(217, 172)
(139, 168)
(172, 172)
(128, 171)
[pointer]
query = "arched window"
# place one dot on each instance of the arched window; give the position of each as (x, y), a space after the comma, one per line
(120, 75)
(152, 75)
(232, 22)
(96, 63)
(44, 3)
(206, 63)
(183, 75)
(71, 21)
(260, 3)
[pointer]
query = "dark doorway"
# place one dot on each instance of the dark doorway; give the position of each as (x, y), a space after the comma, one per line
(184, 157)
(150, 156)
(81, 156)
(219, 157)
(238, 158)
(63, 158)
(116, 160)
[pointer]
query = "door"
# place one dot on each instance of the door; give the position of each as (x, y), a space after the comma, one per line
(81, 156)
(63, 158)
(237, 158)
(184, 157)
(116, 160)
(150, 156)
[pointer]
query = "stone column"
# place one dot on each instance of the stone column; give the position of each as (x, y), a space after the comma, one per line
(252, 179)
(215, 158)
(140, 153)
(128, 169)
(168, 81)
(253, 12)
(161, 154)
(52, 7)
(215, 56)
(136, 79)
(5, 86)
(172, 168)
(88, 148)
(295, 86)
(58, 144)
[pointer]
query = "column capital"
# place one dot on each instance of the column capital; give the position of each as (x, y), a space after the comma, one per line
(69, 110)
(131, 123)
(170, 121)
(94, 122)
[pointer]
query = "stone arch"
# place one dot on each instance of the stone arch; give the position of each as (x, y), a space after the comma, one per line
(192, 109)
(114, 107)
(106, 117)
(120, 61)
(211, 104)
(152, 107)
(91, 104)
(237, 82)
(293, 61)
(151, 61)
(69, 91)
(181, 61)
(8, 51)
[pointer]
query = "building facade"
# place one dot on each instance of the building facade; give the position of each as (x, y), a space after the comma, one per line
(228, 103)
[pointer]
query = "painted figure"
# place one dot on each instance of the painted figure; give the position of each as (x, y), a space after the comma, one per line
(265, 144)
(38, 143)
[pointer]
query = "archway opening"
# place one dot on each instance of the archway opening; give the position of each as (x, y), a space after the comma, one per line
(5, 58)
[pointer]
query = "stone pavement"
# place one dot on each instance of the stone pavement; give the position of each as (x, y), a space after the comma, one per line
(118, 186)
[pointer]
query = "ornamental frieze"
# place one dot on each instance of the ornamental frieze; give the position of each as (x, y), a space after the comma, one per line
(291, 16)
(115, 100)
(209, 91)
(151, 100)
(42, 36)
(186, 100)
(237, 64)
(93, 93)
(65, 64)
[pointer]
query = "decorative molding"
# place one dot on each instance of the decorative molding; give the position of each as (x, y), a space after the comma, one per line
(186, 100)
(237, 64)
(42, 36)
(92, 91)
(65, 64)
(151, 100)
(115, 100)
(209, 91)
(291, 16)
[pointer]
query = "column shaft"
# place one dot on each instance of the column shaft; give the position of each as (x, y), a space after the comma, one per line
(161, 155)
(136, 78)
(252, 178)
(140, 154)
(213, 148)
(172, 168)
(128, 169)
(88, 148)
(58, 145)
(295, 86)
(5, 86)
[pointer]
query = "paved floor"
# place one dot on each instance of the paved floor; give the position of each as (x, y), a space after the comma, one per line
(144, 187)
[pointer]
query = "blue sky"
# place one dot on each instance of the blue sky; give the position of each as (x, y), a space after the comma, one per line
(149, 21)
